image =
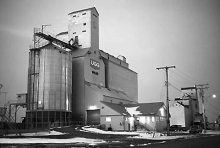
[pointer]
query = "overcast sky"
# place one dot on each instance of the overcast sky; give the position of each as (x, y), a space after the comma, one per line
(149, 33)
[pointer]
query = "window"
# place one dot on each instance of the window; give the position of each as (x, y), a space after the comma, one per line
(84, 31)
(84, 14)
(108, 119)
(84, 24)
(148, 119)
(162, 119)
(153, 119)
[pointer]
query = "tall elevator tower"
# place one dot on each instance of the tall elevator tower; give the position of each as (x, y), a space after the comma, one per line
(88, 66)
(83, 28)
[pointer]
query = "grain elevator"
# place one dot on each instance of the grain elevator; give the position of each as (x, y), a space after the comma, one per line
(70, 78)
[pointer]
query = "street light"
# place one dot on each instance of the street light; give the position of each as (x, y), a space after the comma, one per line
(203, 107)
(214, 96)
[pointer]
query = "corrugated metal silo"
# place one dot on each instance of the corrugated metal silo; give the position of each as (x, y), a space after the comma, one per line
(49, 87)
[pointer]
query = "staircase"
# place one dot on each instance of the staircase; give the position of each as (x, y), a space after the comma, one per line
(8, 119)
(146, 127)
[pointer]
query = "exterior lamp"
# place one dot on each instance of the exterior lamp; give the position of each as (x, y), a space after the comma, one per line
(214, 96)
(93, 107)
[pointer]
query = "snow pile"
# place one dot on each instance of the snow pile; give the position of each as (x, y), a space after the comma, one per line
(155, 136)
(137, 135)
(76, 140)
(212, 132)
(40, 134)
(98, 131)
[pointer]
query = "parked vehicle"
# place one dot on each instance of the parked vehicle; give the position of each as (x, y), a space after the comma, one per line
(195, 129)
(175, 128)
(184, 129)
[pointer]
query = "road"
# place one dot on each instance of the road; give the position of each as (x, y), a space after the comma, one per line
(202, 142)
(113, 141)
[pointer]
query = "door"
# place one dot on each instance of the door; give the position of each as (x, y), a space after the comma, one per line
(93, 117)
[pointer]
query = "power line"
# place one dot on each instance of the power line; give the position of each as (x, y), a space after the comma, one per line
(176, 80)
(196, 81)
(212, 105)
(189, 82)
(176, 88)
(212, 112)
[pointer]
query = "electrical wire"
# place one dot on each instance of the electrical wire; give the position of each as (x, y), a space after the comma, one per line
(212, 112)
(176, 88)
(211, 104)
(187, 81)
(176, 80)
(162, 93)
(196, 81)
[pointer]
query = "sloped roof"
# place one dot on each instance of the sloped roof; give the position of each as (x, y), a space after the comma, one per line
(80, 52)
(93, 8)
(143, 108)
(117, 107)
(109, 92)
(146, 108)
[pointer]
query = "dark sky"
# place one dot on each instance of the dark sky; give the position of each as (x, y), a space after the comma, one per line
(149, 33)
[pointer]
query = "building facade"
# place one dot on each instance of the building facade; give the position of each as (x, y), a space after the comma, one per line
(93, 67)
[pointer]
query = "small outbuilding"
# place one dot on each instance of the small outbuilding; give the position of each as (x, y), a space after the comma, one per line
(132, 117)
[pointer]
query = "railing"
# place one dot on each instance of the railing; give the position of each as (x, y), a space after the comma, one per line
(9, 121)
(145, 126)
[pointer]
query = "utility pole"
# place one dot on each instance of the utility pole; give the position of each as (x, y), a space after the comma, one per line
(167, 101)
(202, 87)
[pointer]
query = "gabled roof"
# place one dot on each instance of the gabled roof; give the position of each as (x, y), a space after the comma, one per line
(143, 108)
(147, 108)
(117, 107)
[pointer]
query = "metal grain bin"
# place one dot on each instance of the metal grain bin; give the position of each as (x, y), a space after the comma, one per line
(49, 86)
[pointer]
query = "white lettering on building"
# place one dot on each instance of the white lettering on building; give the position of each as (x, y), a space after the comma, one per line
(94, 64)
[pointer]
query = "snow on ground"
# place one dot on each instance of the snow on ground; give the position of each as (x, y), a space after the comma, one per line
(76, 140)
(81, 140)
(145, 135)
(137, 135)
(98, 131)
(212, 132)
(40, 133)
